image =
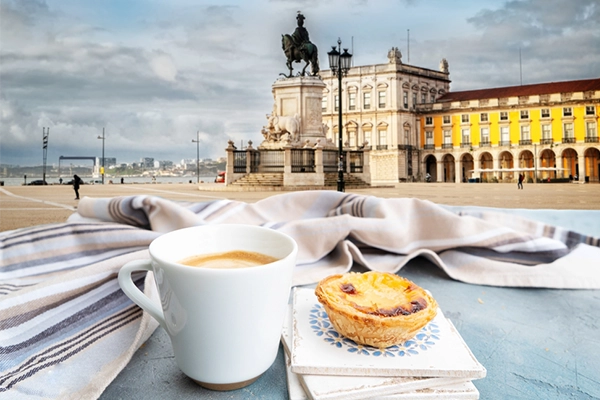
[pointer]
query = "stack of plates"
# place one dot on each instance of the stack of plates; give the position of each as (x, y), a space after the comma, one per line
(322, 364)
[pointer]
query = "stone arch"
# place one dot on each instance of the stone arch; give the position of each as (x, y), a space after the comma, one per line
(448, 165)
(486, 161)
(525, 160)
(506, 161)
(431, 167)
(467, 164)
(570, 162)
(592, 164)
(547, 160)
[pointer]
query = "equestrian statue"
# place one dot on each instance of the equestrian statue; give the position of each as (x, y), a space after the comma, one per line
(298, 47)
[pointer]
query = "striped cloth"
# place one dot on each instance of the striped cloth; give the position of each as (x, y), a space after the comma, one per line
(66, 329)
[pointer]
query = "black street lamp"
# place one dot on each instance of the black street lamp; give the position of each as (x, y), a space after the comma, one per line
(102, 137)
(197, 141)
(340, 63)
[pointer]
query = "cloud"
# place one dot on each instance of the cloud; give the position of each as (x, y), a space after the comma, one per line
(153, 74)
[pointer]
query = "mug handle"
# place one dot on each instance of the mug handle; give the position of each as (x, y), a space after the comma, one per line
(135, 294)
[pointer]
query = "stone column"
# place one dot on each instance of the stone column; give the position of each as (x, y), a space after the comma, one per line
(476, 166)
(457, 171)
(581, 162)
(440, 171)
(558, 161)
(229, 178)
(249, 153)
(497, 164)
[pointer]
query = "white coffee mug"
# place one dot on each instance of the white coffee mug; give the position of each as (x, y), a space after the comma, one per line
(224, 324)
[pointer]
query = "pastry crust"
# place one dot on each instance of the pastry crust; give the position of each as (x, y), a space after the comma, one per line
(375, 308)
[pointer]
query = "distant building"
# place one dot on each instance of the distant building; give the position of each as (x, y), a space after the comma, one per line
(147, 162)
(414, 125)
(379, 111)
(495, 134)
(108, 161)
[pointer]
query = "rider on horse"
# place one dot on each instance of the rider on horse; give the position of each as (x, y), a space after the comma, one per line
(300, 36)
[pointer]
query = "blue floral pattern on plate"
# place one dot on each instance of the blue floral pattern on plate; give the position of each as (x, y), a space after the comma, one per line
(322, 327)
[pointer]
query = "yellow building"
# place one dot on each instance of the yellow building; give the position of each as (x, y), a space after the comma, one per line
(548, 130)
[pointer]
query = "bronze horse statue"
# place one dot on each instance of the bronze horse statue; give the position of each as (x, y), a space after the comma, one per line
(308, 54)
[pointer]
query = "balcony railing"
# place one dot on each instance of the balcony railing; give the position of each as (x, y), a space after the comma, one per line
(382, 147)
(568, 140)
(485, 143)
(591, 139)
(524, 142)
(465, 144)
(447, 145)
(547, 141)
(505, 143)
(429, 147)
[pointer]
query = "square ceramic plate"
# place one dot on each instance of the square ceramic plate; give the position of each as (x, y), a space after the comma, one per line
(317, 349)
(457, 391)
(325, 387)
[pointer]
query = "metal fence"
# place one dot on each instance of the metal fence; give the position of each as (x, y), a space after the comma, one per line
(356, 161)
(239, 161)
(330, 161)
(303, 160)
(270, 160)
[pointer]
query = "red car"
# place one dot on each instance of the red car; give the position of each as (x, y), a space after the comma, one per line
(220, 177)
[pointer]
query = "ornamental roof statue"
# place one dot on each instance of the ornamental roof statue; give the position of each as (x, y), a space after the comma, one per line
(298, 47)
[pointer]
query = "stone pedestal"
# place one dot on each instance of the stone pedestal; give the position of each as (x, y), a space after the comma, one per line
(297, 105)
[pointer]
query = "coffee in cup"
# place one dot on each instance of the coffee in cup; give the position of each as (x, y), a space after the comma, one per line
(228, 260)
(224, 322)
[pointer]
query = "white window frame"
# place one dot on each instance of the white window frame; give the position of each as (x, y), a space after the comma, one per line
(405, 99)
(351, 101)
(525, 132)
(485, 134)
(381, 95)
(545, 113)
(336, 102)
(524, 114)
(428, 121)
(464, 118)
(414, 99)
(503, 115)
(465, 133)
(504, 134)
(352, 138)
(324, 103)
(367, 100)
(568, 130)
(567, 111)
(429, 137)
(484, 117)
(423, 98)
(591, 129)
(367, 134)
(382, 137)
(546, 131)
(447, 120)
(590, 111)
(447, 136)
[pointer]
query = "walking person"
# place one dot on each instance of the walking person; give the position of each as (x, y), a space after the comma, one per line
(76, 182)
(520, 184)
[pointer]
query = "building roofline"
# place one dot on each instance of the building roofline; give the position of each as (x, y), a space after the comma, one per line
(582, 85)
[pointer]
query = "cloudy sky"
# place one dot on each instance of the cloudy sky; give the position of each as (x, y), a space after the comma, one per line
(153, 73)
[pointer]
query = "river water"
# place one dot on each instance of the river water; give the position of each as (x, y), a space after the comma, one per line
(127, 179)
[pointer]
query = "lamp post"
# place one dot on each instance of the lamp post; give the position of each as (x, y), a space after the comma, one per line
(339, 63)
(197, 141)
(102, 170)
